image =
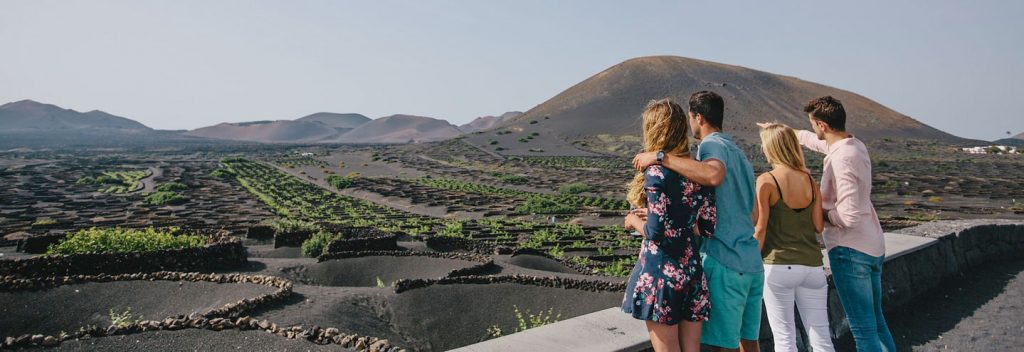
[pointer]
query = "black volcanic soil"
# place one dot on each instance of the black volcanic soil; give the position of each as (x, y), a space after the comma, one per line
(433, 318)
(365, 271)
(194, 340)
(537, 262)
(360, 310)
(66, 308)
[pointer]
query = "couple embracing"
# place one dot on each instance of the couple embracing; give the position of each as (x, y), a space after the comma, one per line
(717, 240)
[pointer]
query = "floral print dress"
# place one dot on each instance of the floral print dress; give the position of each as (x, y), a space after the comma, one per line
(668, 285)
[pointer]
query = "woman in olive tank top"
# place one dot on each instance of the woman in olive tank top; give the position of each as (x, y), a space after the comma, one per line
(788, 217)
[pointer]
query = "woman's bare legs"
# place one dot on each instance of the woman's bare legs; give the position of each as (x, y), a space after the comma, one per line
(689, 335)
(664, 338)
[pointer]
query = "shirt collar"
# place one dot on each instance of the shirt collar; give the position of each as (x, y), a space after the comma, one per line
(841, 143)
(720, 134)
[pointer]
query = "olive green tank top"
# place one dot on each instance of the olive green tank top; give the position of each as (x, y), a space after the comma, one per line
(790, 236)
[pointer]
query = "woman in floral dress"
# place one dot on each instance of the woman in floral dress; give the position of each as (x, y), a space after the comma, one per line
(667, 288)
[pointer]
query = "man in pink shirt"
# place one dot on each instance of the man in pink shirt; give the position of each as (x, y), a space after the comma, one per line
(853, 235)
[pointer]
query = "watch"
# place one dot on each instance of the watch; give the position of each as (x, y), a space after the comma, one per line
(660, 156)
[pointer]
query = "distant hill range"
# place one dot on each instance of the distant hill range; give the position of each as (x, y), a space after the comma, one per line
(1017, 140)
(598, 115)
(400, 129)
(335, 128)
(602, 113)
(267, 131)
(340, 122)
(486, 122)
(28, 123)
(29, 116)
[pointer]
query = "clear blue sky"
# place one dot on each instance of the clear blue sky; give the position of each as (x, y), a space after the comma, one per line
(955, 65)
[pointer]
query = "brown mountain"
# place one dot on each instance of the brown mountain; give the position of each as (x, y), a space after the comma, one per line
(487, 122)
(267, 131)
(608, 104)
(400, 129)
(32, 116)
(1017, 140)
(341, 122)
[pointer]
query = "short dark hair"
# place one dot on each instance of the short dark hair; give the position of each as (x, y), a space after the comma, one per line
(829, 110)
(710, 105)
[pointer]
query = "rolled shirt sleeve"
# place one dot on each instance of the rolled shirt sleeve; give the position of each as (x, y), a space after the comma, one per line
(811, 141)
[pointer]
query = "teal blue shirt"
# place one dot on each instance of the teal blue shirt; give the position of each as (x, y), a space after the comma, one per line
(733, 244)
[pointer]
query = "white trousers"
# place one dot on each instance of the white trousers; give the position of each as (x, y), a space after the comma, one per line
(785, 284)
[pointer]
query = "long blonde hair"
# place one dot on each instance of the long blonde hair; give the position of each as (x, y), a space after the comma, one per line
(781, 146)
(665, 128)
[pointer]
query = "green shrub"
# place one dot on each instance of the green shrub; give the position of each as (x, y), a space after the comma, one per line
(44, 221)
(529, 320)
(340, 182)
(584, 261)
(556, 252)
(114, 181)
(221, 173)
(620, 267)
(171, 186)
(574, 188)
(544, 205)
(315, 245)
(95, 240)
(452, 229)
(510, 178)
(165, 198)
(123, 319)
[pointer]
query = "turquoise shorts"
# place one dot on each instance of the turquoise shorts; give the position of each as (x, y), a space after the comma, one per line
(735, 305)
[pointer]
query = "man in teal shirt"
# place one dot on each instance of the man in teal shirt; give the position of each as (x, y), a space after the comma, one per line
(732, 260)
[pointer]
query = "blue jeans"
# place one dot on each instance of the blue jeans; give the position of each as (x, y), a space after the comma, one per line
(858, 279)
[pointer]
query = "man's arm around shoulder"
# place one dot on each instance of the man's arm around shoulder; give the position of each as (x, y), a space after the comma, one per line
(710, 172)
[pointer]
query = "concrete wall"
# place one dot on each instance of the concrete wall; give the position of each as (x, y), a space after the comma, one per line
(917, 260)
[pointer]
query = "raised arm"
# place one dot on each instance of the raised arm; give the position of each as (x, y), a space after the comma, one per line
(811, 141)
(762, 207)
(816, 211)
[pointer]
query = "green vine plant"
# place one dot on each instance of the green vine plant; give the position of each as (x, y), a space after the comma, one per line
(527, 320)
(124, 318)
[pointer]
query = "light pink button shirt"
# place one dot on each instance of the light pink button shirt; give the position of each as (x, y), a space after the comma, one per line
(846, 195)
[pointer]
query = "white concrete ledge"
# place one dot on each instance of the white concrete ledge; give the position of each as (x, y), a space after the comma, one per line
(897, 245)
(613, 330)
(606, 330)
